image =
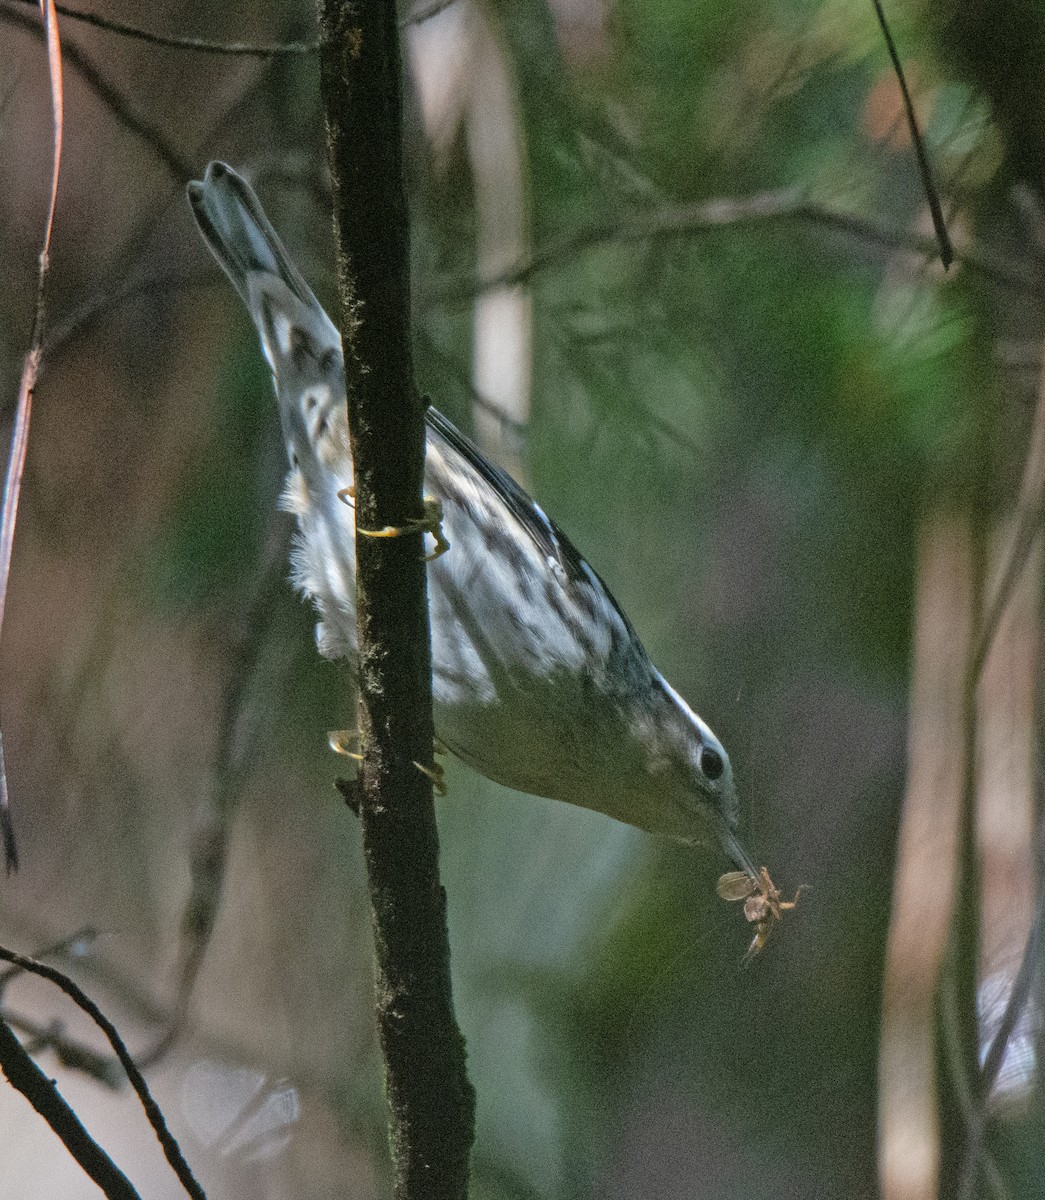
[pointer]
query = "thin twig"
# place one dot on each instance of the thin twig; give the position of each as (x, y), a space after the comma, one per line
(26, 1077)
(784, 204)
(959, 975)
(75, 1055)
(954, 1063)
(232, 752)
(928, 185)
(1028, 530)
(959, 1025)
(171, 1149)
(120, 106)
(62, 332)
(102, 1068)
(509, 424)
(1031, 515)
(7, 829)
(175, 41)
(30, 370)
(1030, 518)
(181, 41)
(82, 937)
(1019, 997)
(518, 429)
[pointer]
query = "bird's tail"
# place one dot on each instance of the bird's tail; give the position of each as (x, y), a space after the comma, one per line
(240, 236)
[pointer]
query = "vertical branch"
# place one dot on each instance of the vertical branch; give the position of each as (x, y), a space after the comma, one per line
(431, 1102)
(926, 881)
(30, 370)
(1002, 681)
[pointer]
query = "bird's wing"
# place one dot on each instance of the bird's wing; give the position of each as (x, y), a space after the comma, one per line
(552, 544)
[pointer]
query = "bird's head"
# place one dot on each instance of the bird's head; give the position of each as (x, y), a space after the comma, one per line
(693, 779)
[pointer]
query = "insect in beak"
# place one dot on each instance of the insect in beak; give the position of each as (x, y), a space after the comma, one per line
(762, 903)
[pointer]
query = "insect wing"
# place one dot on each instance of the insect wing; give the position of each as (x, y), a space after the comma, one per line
(735, 885)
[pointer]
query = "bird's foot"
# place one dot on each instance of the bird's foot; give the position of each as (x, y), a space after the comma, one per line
(436, 774)
(431, 522)
(339, 741)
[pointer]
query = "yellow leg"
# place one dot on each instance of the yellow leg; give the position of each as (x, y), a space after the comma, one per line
(431, 522)
(436, 775)
(340, 739)
(337, 739)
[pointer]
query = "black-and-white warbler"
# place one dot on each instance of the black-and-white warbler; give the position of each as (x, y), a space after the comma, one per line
(539, 681)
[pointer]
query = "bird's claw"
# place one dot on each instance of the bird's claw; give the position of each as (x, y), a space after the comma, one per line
(340, 739)
(436, 774)
(431, 522)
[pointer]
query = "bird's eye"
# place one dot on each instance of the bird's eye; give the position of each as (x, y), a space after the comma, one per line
(711, 763)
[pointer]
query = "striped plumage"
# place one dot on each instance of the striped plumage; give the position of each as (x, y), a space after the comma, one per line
(539, 680)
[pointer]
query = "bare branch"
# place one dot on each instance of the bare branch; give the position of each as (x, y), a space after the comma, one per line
(71, 945)
(1019, 996)
(26, 1077)
(171, 1149)
(210, 847)
(74, 1055)
(1030, 517)
(198, 45)
(138, 124)
(1029, 521)
(27, 385)
(431, 1101)
(925, 170)
(953, 1059)
(62, 332)
(181, 41)
(785, 204)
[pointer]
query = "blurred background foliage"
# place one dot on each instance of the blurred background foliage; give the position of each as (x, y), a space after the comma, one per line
(673, 267)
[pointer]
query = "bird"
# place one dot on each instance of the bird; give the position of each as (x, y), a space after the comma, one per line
(539, 680)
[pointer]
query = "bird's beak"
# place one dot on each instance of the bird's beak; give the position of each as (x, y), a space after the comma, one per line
(735, 851)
